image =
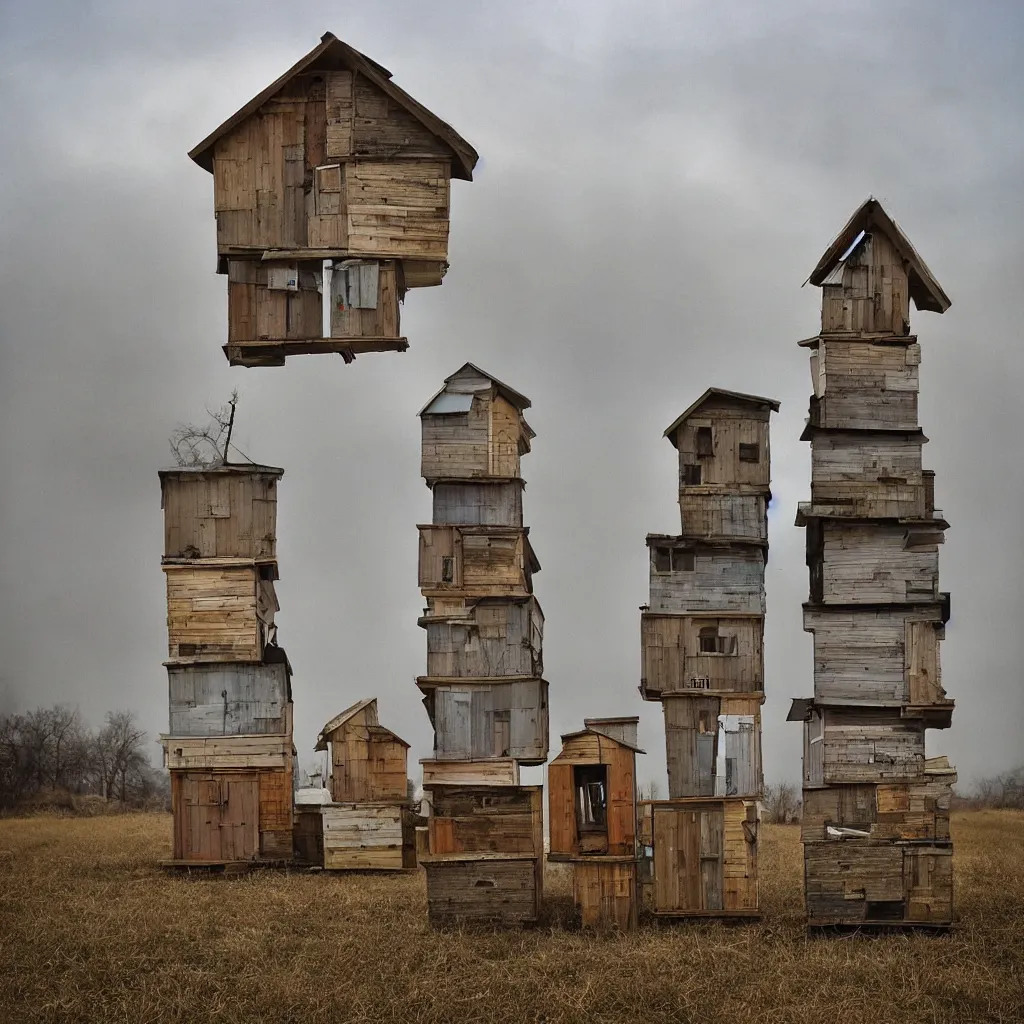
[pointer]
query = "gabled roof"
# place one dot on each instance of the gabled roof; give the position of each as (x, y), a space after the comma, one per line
(332, 47)
(340, 719)
(520, 401)
(603, 735)
(926, 292)
(738, 396)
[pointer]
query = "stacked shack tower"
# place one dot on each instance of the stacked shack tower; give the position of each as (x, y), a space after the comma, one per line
(702, 639)
(333, 180)
(876, 810)
(229, 745)
(484, 689)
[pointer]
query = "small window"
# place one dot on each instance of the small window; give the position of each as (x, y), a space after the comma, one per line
(447, 569)
(709, 641)
(691, 474)
(705, 442)
(662, 559)
(682, 561)
(590, 782)
(750, 453)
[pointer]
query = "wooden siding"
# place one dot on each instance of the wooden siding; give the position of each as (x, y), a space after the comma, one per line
(376, 316)
(499, 772)
(858, 563)
(867, 475)
(218, 612)
(606, 894)
(723, 579)
(480, 720)
(225, 752)
(368, 836)
(705, 858)
(854, 882)
(876, 656)
(917, 809)
(485, 561)
(672, 659)
(368, 763)
(491, 503)
(495, 638)
(865, 385)
(723, 516)
(219, 515)
(260, 307)
(229, 700)
(876, 745)
(592, 748)
(478, 819)
(872, 292)
(486, 891)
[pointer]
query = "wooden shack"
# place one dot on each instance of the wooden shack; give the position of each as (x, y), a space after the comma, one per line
(476, 561)
(592, 815)
(474, 429)
(876, 808)
(332, 173)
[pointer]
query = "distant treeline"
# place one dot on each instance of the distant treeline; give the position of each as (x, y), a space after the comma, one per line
(1004, 790)
(51, 750)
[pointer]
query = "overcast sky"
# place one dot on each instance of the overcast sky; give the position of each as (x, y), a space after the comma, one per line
(654, 186)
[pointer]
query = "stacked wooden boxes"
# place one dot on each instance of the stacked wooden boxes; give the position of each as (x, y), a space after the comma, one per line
(702, 637)
(369, 823)
(484, 689)
(876, 810)
(592, 815)
(331, 170)
(229, 745)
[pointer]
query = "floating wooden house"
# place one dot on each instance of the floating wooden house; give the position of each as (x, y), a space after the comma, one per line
(332, 181)
(702, 657)
(369, 823)
(229, 742)
(876, 808)
(592, 811)
(484, 689)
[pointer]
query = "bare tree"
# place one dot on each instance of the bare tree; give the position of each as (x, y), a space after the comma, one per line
(194, 445)
(119, 757)
(651, 791)
(781, 803)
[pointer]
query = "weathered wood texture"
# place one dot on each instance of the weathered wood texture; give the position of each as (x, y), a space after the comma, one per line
(499, 772)
(710, 752)
(494, 638)
(473, 428)
(368, 762)
(687, 576)
(711, 439)
(917, 809)
(865, 385)
(675, 654)
(308, 835)
(219, 612)
(705, 858)
(368, 836)
(274, 300)
(862, 745)
(488, 892)
(877, 656)
(229, 700)
(723, 516)
(232, 815)
(868, 292)
(872, 475)
(859, 881)
(480, 819)
(606, 894)
(226, 752)
(478, 561)
(570, 835)
(879, 563)
(365, 297)
(478, 503)
(483, 720)
(226, 513)
(623, 730)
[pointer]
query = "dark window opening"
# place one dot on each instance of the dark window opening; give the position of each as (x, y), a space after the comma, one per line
(691, 474)
(884, 910)
(662, 559)
(591, 784)
(705, 442)
(730, 784)
(447, 569)
(750, 453)
(682, 561)
(710, 642)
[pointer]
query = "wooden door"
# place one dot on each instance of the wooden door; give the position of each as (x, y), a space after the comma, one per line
(688, 845)
(239, 816)
(215, 816)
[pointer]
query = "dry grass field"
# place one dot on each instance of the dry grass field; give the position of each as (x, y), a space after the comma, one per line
(90, 929)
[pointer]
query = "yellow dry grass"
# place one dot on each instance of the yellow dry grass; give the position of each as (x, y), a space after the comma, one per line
(90, 929)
